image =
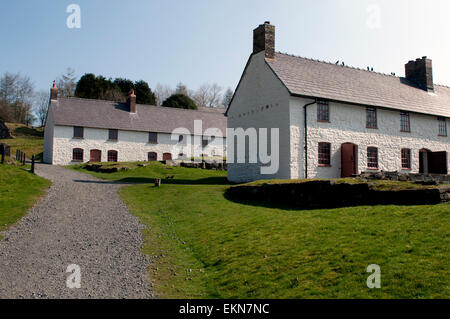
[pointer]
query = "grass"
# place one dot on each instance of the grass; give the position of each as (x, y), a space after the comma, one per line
(204, 246)
(27, 139)
(19, 190)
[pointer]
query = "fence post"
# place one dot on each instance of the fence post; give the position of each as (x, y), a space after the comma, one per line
(3, 155)
(32, 164)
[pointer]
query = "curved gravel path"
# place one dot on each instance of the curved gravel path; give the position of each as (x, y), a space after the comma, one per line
(81, 221)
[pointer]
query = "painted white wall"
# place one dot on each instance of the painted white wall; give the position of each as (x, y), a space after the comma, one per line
(261, 101)
(348, 124)
(131, 146)
(48, 137)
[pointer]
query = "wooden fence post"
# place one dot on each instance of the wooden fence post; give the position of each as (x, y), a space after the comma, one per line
(32, 164)
(3, 155)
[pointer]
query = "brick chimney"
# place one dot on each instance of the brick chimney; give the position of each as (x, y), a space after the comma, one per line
(421, 73)
(54, 92)
(132, 101)
(264, 40)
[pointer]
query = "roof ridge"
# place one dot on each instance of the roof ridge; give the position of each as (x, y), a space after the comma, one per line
(338, 65)
(145, 105)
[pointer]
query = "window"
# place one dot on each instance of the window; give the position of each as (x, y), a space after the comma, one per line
(404, 122)
(112, 156)
(371, 117)
(77, 155)
(152, 157)
(442, 126)
(78, 132)
(323, 111)
(113, 135)
(153, 138)
(324, 154)
(205, 141)
(180, 138)
(406, 158)
(372, 158)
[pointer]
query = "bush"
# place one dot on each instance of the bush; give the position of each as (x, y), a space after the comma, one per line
(180, 101)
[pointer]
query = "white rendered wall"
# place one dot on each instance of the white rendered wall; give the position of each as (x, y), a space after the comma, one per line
(131, 146)
(348, 124)
(261, 101)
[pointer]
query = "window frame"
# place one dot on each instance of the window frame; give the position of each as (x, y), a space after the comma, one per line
(442, 126)
(77, 160)
(115, 156)
(324, 154)
(148, 156)
(406, 160)
(371, 150)
(116, 131)
(152, 134)
(405, 122)
(80, 129)
(371, 121)
(323, 108)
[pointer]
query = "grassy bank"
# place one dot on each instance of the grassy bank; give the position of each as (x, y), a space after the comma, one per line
(19, 190)
(27, 139)
(204, 246)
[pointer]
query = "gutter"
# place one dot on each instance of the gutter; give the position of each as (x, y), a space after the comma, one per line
(306, 135)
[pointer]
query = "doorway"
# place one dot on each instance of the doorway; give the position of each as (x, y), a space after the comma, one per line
(349, 159)
(432, 162)
(167, 157)
(96, 156)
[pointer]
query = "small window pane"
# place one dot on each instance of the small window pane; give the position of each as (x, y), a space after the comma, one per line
(323, 111)
(153, 138)
(372, 157)
(406, 158)
(113, 135)
(77, 155)
(324, 154)
(152, 157)
(442, 126)
(404, 122)
(371, 117)
(112, 156)
(78, 132)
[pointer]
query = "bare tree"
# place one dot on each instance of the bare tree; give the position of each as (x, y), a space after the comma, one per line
(40, 106)
(66, 83)
(208, 95)
(162, 93)
(16, 94)
(227, 97)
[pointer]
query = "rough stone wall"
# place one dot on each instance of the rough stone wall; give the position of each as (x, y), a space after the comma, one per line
(131, 146)
(348, 124)
(48, 136)
(261, 101)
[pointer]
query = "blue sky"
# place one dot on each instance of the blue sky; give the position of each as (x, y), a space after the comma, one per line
(206, 41)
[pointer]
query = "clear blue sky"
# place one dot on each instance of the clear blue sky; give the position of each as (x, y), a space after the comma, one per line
(201, 41)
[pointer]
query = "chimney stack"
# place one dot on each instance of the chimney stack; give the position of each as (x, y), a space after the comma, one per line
(264, 40)
(421, 73)
(132, 101)
(54, 92)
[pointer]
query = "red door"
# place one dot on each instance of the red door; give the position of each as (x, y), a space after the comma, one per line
(167, 157)
(348, 160)
(96, 156)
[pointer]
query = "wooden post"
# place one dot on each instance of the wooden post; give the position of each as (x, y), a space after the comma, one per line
(3, 155)
(32, 164)
(158, 182)
(24, 157)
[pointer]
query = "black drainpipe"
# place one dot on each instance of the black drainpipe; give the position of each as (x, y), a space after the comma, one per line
(306, 136)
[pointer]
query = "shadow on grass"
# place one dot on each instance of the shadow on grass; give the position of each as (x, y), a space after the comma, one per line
(143, 180)
(28, 131)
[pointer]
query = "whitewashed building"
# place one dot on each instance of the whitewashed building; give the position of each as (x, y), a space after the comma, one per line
(336, 121)
(83, 130)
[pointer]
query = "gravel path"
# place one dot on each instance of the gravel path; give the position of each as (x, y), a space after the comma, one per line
(81, 221)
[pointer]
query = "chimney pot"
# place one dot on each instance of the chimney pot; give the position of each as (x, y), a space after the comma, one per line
(54, 92)
(264, 40)
(132, 101)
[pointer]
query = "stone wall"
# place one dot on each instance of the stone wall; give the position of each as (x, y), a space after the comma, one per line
(326, 194)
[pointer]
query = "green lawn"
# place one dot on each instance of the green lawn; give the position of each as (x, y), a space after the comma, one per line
(204, 246)
(27, 139)
(19, 190)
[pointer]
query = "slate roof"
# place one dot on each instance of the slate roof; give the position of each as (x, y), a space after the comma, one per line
(115, 115)
(317, 79)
